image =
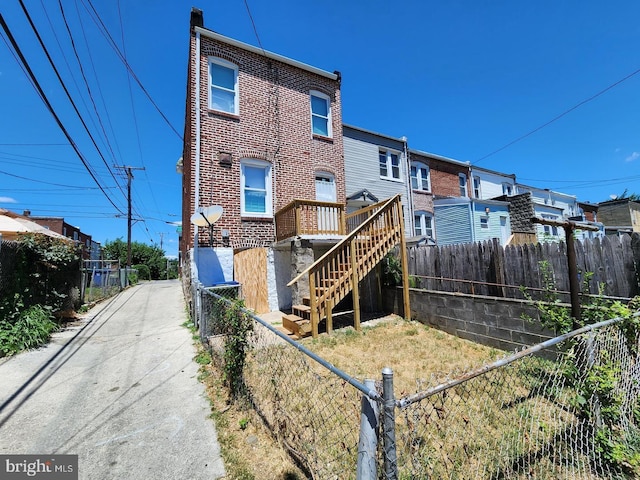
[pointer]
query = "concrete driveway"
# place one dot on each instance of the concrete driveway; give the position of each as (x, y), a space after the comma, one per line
(119, 389)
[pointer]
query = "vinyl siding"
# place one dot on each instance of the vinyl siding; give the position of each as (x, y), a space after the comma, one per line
(452, 224)
(494, 230)
(491, 184)
(362, 170)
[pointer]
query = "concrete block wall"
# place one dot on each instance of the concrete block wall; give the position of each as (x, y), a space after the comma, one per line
(491, 321)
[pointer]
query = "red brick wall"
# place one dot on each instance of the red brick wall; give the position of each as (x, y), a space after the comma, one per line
(274, 125)
(445, 180)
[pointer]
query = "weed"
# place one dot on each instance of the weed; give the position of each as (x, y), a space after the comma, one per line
(203, 358)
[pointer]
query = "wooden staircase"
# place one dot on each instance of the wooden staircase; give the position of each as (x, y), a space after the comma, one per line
(376, 230)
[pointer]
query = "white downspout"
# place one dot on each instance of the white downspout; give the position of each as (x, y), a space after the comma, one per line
(197, 189)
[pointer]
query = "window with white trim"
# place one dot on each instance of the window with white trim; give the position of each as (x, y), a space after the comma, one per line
(419, 176)
(476, 187)
(423, 222)
(255, 188)
(223, 86)
(462, 181)
(507, 189)
(320, 114)
(389, 164)
(484, 221)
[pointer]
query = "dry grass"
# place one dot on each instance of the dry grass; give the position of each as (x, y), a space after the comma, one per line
(416, 352)
(248, 449)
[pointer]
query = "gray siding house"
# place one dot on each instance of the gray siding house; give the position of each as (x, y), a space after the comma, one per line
(376, 168)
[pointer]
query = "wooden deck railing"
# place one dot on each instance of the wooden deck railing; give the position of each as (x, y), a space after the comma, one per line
(310, 217)
(338, 272)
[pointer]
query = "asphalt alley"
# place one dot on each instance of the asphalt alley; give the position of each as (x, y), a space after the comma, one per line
(119, 389)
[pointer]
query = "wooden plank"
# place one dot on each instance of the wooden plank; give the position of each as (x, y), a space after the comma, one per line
(250, 270)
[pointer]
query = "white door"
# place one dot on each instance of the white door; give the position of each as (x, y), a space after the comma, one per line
(326, 192)
(503, 230)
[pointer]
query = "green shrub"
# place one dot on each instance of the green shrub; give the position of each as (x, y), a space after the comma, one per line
(28, 329)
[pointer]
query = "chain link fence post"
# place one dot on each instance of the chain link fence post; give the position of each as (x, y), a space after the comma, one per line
(389, 425)
(368, 442)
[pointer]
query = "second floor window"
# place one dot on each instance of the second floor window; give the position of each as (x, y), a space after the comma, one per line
(320, 114)
(223, 86)
(507, 189)
(462, 179)
(476, 187)
(389, 164)
(420, 177)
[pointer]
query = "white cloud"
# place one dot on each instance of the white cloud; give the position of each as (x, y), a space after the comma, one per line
(8, 200)
(632, 157)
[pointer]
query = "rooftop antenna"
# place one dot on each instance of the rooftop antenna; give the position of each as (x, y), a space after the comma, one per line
(207, 216)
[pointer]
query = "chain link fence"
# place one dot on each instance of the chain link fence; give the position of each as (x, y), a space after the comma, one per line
(101, 279)
(525, 416)
(311, 407)
(566, 408)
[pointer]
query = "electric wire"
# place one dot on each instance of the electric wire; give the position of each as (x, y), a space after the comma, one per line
(558, 117)
(70, 98)
(86, 83)
(54, 31)
(133, 109)
(100, 187)
(114, 46)
(255, 30)
(47, 103)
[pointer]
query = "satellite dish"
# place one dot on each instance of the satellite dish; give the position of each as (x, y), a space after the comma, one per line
(206, 216)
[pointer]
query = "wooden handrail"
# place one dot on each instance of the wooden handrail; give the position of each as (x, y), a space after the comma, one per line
(345, 240)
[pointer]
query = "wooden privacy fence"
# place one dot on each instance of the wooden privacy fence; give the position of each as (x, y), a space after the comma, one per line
(490, 269)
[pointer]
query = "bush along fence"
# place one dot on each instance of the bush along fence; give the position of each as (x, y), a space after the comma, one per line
(522, 416)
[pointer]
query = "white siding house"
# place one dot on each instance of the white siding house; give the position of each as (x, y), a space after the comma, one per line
(551, 205)
(376, 168)
(486, 184)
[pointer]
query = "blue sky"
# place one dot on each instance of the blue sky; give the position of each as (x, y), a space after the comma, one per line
(461, 79)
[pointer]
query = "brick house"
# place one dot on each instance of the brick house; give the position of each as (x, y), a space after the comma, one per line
(58, 225)
(260, 131)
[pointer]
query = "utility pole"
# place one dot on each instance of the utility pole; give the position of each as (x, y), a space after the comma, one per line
(129, 177)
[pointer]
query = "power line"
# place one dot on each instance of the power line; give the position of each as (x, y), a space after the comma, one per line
(114, 46)
(558, 117)
(55, 184)
(255, 30)
(66, 90)
(86, 83)
(44, 98)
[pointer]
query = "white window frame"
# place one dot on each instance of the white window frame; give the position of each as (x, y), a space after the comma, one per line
(419, 179)
(462, 183)
(420, 224)
(484, 221)
(268, 187)
(507, 189)
(327, 118)
(477, 187)
(230, 66)
(388, 164)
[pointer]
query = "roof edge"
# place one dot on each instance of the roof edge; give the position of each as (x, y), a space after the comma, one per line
(274, 56)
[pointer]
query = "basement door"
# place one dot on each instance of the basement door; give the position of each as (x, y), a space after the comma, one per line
(326, 192)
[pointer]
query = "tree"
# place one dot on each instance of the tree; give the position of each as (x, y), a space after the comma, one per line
(152, 257)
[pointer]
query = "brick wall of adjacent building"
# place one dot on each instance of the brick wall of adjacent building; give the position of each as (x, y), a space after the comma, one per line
(445, 181)
(273, 125)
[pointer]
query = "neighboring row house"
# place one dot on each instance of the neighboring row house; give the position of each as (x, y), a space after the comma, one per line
(90, 250)
(264, 139)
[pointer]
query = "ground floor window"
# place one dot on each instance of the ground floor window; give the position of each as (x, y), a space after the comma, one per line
(255, 188)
